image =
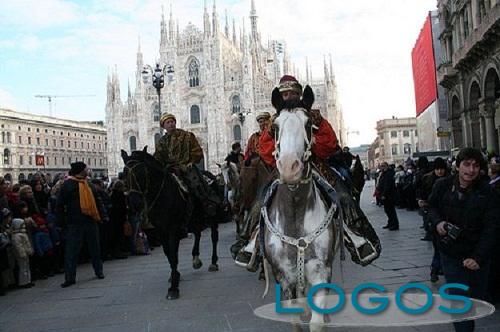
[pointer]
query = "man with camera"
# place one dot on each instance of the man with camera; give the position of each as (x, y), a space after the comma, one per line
(465, 213)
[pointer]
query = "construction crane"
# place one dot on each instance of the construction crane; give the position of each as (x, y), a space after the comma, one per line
(49, 98)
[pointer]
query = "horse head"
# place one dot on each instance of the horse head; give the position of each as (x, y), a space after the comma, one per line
(293, 135)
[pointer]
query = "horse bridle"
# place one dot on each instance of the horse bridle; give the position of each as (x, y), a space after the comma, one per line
(143, 192)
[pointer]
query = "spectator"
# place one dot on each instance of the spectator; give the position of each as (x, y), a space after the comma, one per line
(398, 180)
(22, 245)
(104, 227)
(423, 192)
(464, 211)
(79, 208)
(5, 243)
(386, 190)
(118, 218)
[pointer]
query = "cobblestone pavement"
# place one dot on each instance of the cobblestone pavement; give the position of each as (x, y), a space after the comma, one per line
(132, 297)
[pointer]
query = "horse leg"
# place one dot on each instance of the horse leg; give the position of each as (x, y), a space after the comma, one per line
(288, 295)
(317, 272)
(197, 263)
(214, 233)
(170, 245)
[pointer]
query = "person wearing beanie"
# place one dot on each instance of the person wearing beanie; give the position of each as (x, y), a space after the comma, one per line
(79, 209)
(423, 191)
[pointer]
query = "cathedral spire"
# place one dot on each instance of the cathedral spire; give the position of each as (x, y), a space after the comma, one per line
(325, 70)
(129, 93)
(206, 21)
(244, 39)
(226, 28)
(286, 63)
(253, 20)
(234, 34)
(163, 30)
(307, 70)
(332, 74)
(171, 25)
(215, 21)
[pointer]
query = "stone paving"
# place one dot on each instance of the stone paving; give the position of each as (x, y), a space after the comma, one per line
(132, 297)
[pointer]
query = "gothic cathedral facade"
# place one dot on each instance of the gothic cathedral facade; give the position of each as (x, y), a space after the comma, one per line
(217, 86)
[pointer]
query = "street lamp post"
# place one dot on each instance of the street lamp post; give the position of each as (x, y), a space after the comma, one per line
(157, 76)
(241, 116)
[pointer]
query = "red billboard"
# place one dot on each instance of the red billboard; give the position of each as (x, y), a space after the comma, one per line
(424, 68)
(39, 160)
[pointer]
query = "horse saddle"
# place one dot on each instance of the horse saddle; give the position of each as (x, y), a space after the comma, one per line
(359, 237)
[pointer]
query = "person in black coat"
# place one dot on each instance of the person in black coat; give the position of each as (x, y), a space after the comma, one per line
(465, 212)
(387, 191)
(79, 210)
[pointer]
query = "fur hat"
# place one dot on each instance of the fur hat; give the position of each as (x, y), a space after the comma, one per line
(165, 117)
(77, 168)
(290, 83)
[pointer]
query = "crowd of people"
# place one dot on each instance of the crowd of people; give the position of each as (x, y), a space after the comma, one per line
(459, 201)
(43, 230)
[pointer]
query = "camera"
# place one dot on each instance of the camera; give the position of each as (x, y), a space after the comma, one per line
(453, 232)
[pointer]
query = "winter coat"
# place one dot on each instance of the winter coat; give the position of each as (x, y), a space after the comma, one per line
(475, 210)
(21, 243)
(386, 184)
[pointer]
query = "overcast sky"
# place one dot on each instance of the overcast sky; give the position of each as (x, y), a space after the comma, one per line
(67, 47)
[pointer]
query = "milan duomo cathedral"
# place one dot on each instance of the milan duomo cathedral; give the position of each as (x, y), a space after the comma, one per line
(219, 83)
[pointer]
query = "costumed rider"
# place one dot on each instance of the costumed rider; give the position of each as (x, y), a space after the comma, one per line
(325, 145)
(254, 175)
(360, 238)
(179, 152)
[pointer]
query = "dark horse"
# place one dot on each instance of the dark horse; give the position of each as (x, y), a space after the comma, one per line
(170, 209)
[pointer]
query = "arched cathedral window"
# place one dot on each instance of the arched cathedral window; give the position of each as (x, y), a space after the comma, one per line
(194, 73)
(235, 104)
(195, 114)
(237, 133)
(156, 113)
(133, 143)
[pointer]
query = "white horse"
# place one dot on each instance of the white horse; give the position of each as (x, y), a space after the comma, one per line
(300, 233)
(232, 191)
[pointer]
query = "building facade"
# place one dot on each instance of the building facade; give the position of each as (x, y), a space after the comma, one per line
(217, 84)
(32, 143)
(470, 70)
(362, 152)
(397, 140)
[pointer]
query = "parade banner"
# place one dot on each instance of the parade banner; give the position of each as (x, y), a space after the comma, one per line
(424, 69)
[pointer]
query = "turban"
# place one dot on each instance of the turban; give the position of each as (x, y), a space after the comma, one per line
(290, 83)
(263, 115)
(165, 117)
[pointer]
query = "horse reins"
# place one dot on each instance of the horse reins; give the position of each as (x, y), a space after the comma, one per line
(144, 192)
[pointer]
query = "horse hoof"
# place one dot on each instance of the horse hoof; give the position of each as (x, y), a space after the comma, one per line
(173, 294)
(213, 268)
(197, 263)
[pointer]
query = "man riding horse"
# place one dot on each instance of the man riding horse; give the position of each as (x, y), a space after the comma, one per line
(324, 147)
(179, 151)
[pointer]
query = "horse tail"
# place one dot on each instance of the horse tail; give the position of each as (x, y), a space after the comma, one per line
(266, 276)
